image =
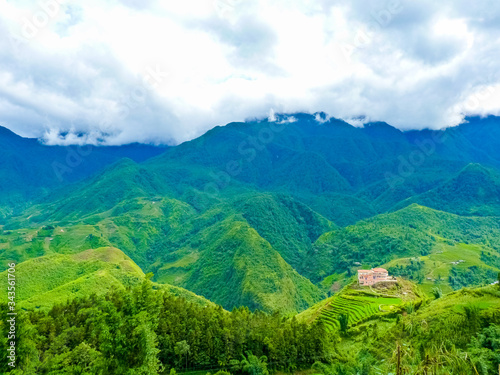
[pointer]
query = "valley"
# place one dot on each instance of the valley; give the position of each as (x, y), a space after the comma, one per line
(278, 241)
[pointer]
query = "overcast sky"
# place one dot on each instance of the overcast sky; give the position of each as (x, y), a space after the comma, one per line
(151, 71)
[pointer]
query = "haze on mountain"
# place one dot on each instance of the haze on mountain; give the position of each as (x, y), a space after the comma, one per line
(195, 186)
(261, 213)
(121, 72)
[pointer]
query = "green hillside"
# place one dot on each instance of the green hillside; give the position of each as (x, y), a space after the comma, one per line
(474, 191)
(449, 267)
(45, 281)
(274, 223)
(414, 231)
(454, 334)
(240, 268)
(217, 254)
(290, 226)
(31, 171)
(143, 330)
(389, 329)
(48, 280)
(264, 219)
(358, 304)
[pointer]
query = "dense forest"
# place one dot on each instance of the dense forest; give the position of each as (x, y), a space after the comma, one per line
(252, 252)
(148, 331)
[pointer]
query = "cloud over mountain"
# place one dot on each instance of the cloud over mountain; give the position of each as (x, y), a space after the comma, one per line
(152, 71)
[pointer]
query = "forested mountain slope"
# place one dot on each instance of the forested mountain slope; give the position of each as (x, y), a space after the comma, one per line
(268, 214)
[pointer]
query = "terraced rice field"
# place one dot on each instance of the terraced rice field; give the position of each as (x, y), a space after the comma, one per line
(357, 308)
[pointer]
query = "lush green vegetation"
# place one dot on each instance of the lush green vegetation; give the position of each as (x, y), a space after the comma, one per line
(30, 171)
(354, 309)
(448, 267)
(216, 254)
(437, 237)
(455, 334)
(53, 279)
(274, 223)
(147, 331)
(355, 304)
(474, 191)
(281, 200)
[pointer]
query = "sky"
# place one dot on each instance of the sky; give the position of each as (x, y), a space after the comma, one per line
(116, 72)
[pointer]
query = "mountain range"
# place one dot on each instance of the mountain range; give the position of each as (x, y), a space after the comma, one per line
(273, 215)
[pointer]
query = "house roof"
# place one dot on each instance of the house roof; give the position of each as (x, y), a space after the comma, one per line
(365, 271)
(379, 270)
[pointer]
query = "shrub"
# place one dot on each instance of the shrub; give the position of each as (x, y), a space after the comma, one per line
(344, 322)
(437, 293)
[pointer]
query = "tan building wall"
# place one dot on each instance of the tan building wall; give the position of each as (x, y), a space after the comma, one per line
(370, 277)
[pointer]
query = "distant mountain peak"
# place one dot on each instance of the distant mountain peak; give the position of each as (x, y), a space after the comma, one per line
(6, 132)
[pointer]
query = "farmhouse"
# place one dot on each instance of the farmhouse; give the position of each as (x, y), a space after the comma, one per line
(375, 275)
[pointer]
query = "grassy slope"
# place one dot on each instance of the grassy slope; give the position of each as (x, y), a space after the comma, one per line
(183, 247)
(474, 191)
(362, 303)
(290, 226)
(412, 231)
(438, 325)
(44, 281)
(169, 238)
(241, 268)
(437, 266)
(54, 278)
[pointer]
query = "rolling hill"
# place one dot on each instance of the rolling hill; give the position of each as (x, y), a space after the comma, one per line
(45, 281)
(474, 191)
(412, 232)
(217, 254)
(30, 170)
(268, 214)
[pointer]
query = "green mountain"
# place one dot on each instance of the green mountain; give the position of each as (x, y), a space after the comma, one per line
(45, 281)
(290, 226)
(240, 268)
(474, 191)
(184, 248)
(271, 214)
(30, 170)
(265, 219)
(412, 232)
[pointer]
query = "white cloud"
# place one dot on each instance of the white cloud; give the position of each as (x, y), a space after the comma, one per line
(80, 67)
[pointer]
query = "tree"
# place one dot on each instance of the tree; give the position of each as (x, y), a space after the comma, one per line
(93, 241)
(148, 348)
(437, 292)
(344, 322)
(182, 349)
(254, 365)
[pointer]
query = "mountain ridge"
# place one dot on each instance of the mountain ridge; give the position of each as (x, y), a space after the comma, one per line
(271, 214)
